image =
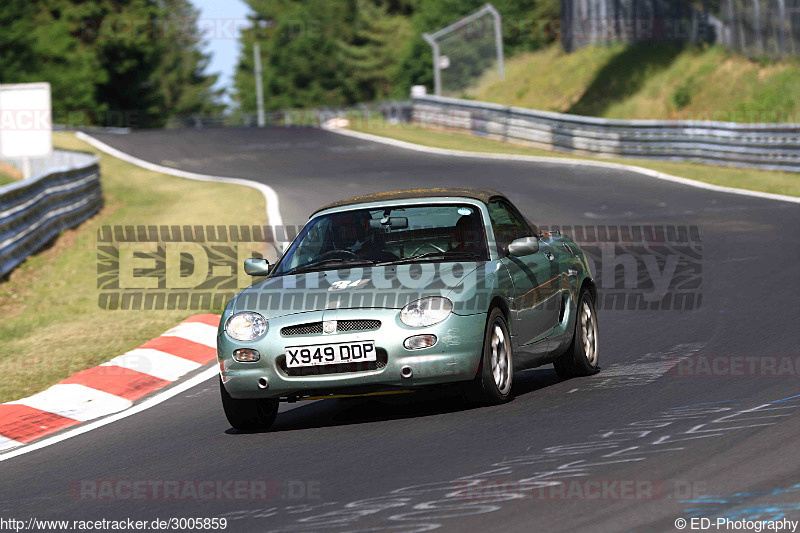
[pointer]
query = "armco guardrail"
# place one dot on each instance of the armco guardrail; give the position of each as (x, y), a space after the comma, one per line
(34, 211)
(396, 110)
(766, 146)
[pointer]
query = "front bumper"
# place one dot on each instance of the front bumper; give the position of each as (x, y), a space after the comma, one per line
(455, 356)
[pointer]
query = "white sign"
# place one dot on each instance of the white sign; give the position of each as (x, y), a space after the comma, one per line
(26, 121)
(444, 62)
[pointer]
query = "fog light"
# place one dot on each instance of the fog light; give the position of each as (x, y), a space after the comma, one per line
(419, 341)
(246, 355)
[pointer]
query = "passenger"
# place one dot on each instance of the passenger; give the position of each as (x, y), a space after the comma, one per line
(468, 234)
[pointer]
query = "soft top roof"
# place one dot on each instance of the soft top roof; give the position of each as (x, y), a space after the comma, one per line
(483, 195)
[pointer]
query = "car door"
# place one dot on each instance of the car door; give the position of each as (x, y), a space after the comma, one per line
(535, 278)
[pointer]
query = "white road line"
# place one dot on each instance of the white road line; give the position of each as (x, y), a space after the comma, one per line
(273, 211)
(195, 332)
(85, 428)
(565, 161)
(155, 363)
(273, 218)
(157, 399)
(6, 443)
(77, 402)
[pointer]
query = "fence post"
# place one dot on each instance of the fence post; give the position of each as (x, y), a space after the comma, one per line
(26, 167)
(730, 36)
(437, 73)
(781, 31)
(259, 82)
(757, 26)
(498, 36)
(706, 30)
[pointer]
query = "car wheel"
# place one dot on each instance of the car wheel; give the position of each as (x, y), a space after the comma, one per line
(580, 359)
(495, 376)
(248, 415)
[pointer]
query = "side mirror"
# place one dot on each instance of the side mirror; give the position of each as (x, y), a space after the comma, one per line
(256, 267)
(523, 246)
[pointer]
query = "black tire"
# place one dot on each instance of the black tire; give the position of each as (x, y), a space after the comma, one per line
(577, 361)
(486, 389)
(248, 415)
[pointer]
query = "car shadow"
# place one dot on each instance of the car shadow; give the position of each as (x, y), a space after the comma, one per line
(422, 403)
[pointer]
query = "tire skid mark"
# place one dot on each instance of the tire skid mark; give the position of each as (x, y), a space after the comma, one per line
(425, 507)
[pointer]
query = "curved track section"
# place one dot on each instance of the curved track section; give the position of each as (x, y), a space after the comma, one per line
(632, 448)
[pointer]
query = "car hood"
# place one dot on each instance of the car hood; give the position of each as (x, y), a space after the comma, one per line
(390, 287)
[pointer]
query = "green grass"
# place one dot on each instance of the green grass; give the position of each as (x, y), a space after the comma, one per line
(51, 324)
(6, 175)
(744, 178)
(655, 81)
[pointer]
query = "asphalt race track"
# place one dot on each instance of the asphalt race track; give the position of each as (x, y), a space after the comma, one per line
(660, 445)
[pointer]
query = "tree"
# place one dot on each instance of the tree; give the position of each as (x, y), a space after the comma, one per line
(318, 52)
(370, 55)
(302, 66)
(108, 61)
(184, 85)
(17, 43)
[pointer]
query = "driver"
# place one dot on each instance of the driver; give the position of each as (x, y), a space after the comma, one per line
(352, 236)
(347, 233)
(374, 246)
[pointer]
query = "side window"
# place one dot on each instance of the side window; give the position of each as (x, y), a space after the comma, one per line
(507, 224)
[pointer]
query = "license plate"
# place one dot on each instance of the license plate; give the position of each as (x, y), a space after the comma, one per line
(330, 354)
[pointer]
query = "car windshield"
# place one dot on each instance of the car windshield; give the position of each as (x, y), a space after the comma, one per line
(451, 232)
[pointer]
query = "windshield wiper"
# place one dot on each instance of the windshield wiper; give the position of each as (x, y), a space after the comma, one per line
(472, 256)
(339, 262)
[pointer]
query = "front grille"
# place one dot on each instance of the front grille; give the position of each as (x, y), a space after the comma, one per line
(315, 328)
(312, 328)
(357, 325)
(381, 355)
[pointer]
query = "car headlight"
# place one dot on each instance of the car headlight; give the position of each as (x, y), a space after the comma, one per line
(426, 311)
(246, 326)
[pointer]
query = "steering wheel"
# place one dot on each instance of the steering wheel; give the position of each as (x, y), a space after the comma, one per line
(421, 246)
(334, 254)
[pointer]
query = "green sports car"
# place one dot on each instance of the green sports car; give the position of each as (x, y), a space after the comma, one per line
(402, 290)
